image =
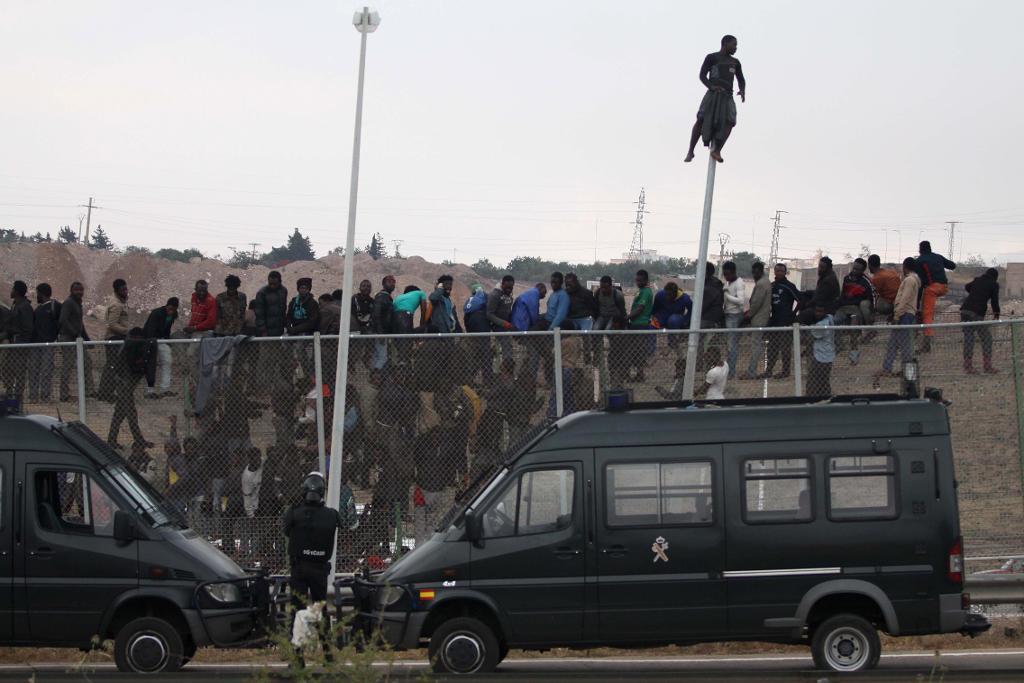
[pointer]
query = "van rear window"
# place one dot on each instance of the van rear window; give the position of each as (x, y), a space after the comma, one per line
(777, 490)
(652, 494)
(862, 487)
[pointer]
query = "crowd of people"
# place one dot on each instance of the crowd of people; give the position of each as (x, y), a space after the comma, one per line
(480, 392)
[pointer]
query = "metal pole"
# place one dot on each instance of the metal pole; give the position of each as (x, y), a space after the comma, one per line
(798, 368)
(693, 338)
(341, 385)
(80, 368)
(559, 399)
(318, 365)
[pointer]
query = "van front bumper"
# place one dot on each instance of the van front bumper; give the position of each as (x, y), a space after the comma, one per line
(221, 627)
(401, 630)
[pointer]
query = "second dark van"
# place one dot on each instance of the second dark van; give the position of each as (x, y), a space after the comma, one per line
(786, 521)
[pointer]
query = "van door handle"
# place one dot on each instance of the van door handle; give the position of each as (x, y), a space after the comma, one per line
(615, 550)
(566, 553)
(44, 553)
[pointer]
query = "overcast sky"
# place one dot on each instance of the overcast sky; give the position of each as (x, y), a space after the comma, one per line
(515, 128)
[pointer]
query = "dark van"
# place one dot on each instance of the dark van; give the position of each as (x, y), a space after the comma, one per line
(786, 521)
(88, 550)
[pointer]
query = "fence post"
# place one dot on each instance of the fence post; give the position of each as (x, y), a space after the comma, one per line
(80, 376)
(318, 364)
(559, 401)
(1018, 386)
(798, 368)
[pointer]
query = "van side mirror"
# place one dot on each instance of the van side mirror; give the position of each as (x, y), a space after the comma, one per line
(124, 527)
(474, 527)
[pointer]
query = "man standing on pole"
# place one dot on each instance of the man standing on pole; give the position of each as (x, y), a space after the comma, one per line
(717, 114)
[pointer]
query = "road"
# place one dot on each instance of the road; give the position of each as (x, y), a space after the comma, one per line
(987, 665)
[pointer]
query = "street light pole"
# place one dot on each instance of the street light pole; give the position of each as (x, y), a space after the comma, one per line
(365, 22)
(693, 338)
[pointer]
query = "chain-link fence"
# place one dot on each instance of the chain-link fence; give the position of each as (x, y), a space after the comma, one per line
(227, 428)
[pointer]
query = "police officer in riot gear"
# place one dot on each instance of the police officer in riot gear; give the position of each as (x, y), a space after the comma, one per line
(310, 527)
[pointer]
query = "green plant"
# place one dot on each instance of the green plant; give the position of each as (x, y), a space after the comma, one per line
(333, 656)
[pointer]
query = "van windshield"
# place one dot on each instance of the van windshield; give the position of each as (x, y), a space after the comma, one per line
(145, 499)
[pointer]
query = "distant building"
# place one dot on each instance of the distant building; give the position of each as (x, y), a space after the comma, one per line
(1014, 285)
(646, 256)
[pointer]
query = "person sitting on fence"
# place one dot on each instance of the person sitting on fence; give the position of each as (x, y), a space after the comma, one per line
(826, 293)
(855, 305)
(886, 283)
(330, 316)
(443, 316)
(303, 313)
(231, 307)
(980, 291)
(406, 304)
(611, 306)
(672, 310)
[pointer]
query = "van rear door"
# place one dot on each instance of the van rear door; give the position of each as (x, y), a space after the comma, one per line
(73, 568)
(6, 546)
(661, 545)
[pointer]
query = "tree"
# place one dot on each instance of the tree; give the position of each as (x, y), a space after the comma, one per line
(67, 235)
(974, 261)
(376, 248)
(132, 249)
(300, 248)
(743, 261)
(183, 256)
(100, 240)
(485, 268)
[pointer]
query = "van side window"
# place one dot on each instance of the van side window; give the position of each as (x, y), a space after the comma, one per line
(537, 501)
(70, 502)
(777, 490)
(651, 494)
(862, 487)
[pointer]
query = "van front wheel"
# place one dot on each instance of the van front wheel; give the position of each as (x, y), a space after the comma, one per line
(464, 645)
(846, 643)
(147, 646)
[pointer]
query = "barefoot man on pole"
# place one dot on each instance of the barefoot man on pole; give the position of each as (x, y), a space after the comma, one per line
(717, 114)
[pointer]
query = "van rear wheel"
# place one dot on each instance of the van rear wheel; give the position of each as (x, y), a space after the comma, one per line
(147, 646)
(464, 645)
(846, 643)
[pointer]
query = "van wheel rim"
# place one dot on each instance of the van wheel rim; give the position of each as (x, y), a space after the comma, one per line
(463, 653)
(147, 652)
(846, 649)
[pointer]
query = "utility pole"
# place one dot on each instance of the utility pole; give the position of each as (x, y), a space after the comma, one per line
(952, 236)
(773, 253)
(88, 218)
(636, 247)
(397, 244)
(81, 217)
(723, 239)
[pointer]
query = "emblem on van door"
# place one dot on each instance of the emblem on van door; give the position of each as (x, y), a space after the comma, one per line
(659, 547)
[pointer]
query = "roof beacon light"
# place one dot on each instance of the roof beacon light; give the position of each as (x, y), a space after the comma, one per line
(911, 378)
(618, 400)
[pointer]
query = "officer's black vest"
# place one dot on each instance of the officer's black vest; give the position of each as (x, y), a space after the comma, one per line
(312, 533)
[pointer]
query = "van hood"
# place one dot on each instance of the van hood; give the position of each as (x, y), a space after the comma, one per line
(195, 554)
(432, 561)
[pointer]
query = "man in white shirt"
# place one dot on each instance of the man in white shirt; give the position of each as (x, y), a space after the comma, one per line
(735, 304)
(717, 376)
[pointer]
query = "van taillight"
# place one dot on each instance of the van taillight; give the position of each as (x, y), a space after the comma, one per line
(956, 562)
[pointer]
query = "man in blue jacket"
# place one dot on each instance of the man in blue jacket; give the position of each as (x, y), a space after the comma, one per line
(526, 307)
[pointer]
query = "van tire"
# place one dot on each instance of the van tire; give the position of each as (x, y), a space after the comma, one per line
(464, 645)
(846, 643)
(148, 645)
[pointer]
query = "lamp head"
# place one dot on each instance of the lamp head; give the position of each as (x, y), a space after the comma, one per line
(366, 21)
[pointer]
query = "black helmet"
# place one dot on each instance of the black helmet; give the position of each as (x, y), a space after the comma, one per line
(313, 487)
